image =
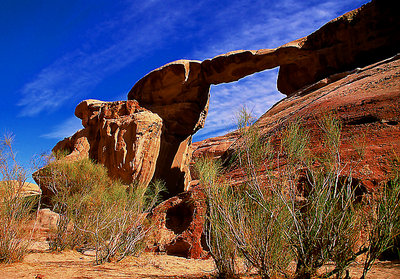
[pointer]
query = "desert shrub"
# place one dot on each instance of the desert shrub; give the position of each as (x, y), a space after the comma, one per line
(258, 221)
(15, 207)
(221, 247)
(245, 220)
(97, 212)
(323, 213)
(383, 221)
(302, 209)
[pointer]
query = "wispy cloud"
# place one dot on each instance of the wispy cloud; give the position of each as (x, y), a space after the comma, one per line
(201, 29)
(65, 129)
(138, 31)
(270, 26)
(257, 92)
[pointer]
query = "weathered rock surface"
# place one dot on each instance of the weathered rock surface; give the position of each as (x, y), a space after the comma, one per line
(122, 136)
(367, 101)
(179, 222)
(356, 39)
(20, 188)
(212, 148)
(149, 136)
(179, 91)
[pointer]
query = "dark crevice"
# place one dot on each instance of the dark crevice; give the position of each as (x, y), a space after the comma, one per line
(367, 119)
(179, 217)
(204, 244)
(179, 248)
(391, 123)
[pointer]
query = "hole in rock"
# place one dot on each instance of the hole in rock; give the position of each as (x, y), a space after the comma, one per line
(179, 217)
(367, 119)
(392, 123)
(304, 186)
(179, 248)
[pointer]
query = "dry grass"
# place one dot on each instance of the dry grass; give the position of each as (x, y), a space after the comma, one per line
(15, 206)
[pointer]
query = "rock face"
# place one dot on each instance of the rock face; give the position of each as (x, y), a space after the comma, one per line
(150, 135)
(179, 222)
(179, 91)
(22, 189)
(122, 136)
(367, 101)
(355, 39)
(213, 148)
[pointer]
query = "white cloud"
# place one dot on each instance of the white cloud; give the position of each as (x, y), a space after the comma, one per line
(272, 24)
(65, 129)
(268, 28)
(145, 27)
(257, 92)
(128, 37)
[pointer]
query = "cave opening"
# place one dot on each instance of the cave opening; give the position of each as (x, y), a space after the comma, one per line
(179, 217)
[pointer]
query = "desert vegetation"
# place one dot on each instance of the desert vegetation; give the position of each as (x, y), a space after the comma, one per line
(16, 207)
(296, 211)
(295, 206)
(96, 212)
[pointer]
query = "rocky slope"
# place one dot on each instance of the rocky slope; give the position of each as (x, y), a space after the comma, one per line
(367, 101)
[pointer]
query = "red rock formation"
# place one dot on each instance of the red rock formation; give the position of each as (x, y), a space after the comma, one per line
(150, 136)
(356, 39)
(179, 91)
(367, 101)
(178, 94)
(212, 148)
(179, 222)
(122, 136)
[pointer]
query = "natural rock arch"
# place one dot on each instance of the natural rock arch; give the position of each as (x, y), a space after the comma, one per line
(178, 93)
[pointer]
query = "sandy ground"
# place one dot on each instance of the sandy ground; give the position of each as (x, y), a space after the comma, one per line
(72, 264)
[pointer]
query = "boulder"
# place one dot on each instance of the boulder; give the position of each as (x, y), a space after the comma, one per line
(20, 188)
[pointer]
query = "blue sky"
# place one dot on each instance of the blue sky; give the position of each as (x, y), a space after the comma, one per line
(56, 53)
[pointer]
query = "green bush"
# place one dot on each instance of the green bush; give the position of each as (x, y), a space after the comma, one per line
(303, 209)
(383, 222)
(97, 212)
(324, 227)
(219, 199)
